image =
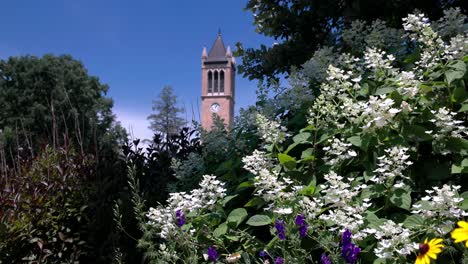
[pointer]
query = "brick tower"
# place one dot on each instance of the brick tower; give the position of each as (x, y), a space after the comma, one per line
(218, 84)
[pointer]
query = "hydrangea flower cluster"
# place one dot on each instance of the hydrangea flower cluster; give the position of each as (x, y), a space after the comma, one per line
(376, 59)
(448, 126)
(441, 202)
(167, 219)
(337, 152)
(377, 112)
(393, 240)
(392, 165)
(407, 83)
(344, 215)
(270, 131)
(266, 180)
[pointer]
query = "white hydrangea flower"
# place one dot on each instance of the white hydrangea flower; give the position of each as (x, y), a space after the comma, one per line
(457, 48)
(163, 218)
(377, 112)
(338, 194)
(448, 126)
(407, 83)
(337, 152)
(394, 240)
(270, 131)
(391, 165)
(376, 59)
(266, 180)
(441, 202)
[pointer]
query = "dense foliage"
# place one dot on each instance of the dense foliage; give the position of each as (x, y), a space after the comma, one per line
(377, 174)
(301, 27)
(43, 209)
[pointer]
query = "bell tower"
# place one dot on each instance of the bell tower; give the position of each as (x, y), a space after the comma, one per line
(218, 84)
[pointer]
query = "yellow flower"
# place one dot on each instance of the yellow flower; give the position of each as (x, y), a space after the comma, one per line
(461, 234)
(429, 250)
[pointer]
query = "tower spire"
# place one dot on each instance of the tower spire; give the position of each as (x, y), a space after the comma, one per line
(219, 31)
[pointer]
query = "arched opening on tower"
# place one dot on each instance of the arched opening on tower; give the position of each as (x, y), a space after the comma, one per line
(221, 82)
(216, 82)
(210, 82)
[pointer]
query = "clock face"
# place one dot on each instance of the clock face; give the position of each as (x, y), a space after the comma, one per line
(215, 107)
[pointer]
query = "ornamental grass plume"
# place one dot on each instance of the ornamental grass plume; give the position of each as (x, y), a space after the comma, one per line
(460, 234)
(429, 250)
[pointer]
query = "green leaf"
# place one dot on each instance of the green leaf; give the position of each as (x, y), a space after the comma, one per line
(457, 72)
(463, 108)
(228, 198)
(307, 154)
(355, 140)
(309, 190)
(458, 94)
(292, 146)
(256, 201)
(401, 198)
(374, 221)
(302, 137)
(458, 145)
(220, 230)
(245, 185)
(384, 90)
(237, 216)
(464, 203)
(413, 221)
(287, 161)
(259, 220)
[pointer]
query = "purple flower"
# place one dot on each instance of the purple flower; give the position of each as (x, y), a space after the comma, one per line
(279, 260)
(349, 251)
(180, 216)
(262, 254)
(212, 254)
(280, 229)
(302, 224)
(325, 259)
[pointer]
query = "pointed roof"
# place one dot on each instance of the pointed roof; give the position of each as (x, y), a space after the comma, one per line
(218, 51)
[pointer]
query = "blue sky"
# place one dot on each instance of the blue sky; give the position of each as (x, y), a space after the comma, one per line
(136, 47)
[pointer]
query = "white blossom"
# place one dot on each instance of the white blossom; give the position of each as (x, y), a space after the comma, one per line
(337, 152)
(163, 218)
(267, 182)
(270, 131)
(440, 202)
(393, 240)
(391, 165)
(448, 126)
(377, 112)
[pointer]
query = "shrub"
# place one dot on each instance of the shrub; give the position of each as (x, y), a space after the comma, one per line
(376, 176)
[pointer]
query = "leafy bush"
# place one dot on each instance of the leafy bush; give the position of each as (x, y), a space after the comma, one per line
(376, 176)
(43, 212)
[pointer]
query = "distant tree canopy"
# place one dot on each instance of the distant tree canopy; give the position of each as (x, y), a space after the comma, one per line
(166, 118)
(301, 26)
(52, 100)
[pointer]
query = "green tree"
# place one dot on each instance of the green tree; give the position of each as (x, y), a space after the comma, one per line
(166, 120)
(51, 101)
(302, 26)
